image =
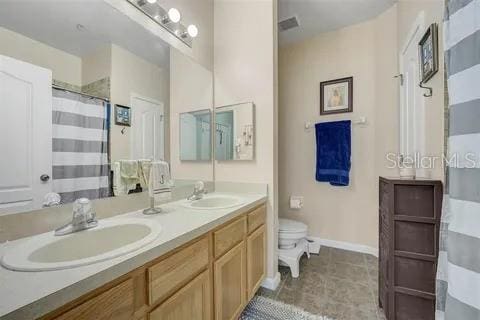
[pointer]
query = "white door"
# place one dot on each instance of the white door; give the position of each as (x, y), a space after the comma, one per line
(25, 135)
(412, 103)
(147, 136)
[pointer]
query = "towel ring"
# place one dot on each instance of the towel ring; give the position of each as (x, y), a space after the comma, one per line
(430, 90)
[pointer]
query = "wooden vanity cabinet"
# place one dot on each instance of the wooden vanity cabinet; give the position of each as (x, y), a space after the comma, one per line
(211, 277)
(191, 302)
(239, 272)
(169, 274)
(256, 266)
(230, 283)
(115, 303)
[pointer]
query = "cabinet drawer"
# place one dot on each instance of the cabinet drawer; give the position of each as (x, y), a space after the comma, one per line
(256, 218)
(228, 236)
(176, 270)
(115, 303)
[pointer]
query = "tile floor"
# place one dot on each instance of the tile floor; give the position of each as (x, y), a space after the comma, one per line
(336, 283)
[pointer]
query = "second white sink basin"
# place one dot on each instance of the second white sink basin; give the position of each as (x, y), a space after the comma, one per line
(215, 202)
(110, 239)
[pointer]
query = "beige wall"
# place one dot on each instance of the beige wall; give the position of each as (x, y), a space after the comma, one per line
(191, 88)
(335, 213)
(387, 91)
(244, 69)
(199, 13)
(131, 74)
(65, 67)
(97, 65)
(368, 52)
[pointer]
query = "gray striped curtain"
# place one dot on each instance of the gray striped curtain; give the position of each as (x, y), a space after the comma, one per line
(80, 146)
(458, 274)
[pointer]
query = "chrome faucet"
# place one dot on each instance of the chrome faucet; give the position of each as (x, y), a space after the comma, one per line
(198, 191)
(84, 217)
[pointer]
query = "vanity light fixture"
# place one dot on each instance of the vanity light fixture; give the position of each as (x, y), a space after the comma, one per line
(174, 15)
(169, 20)
(192, 30)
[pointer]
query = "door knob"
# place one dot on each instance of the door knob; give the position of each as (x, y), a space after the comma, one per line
(44, 177)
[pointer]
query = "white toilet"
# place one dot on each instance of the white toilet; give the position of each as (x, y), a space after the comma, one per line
(292, 244)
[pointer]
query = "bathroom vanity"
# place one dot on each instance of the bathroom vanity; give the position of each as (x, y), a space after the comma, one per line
(200, 256)
(93, 107)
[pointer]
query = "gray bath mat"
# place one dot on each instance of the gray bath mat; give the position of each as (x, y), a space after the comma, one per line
(261, 308)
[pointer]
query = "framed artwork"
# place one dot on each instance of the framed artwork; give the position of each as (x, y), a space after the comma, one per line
(336, 96)
(122, 115)
(428, 51)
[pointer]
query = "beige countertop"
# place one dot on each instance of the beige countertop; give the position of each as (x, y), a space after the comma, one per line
(28, 295)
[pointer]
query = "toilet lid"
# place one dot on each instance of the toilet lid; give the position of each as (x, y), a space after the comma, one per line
(287, 225)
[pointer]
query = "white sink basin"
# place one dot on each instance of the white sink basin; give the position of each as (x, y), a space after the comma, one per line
(110, 239)
(215, 202)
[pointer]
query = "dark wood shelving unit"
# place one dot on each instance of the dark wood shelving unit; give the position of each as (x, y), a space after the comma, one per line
(409, 225)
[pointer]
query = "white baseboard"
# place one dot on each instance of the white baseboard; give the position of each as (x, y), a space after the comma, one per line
(272, 283)
(346, 246)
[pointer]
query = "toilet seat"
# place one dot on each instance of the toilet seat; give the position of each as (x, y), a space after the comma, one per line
(292, 243)
(291, 226)
(290, 232)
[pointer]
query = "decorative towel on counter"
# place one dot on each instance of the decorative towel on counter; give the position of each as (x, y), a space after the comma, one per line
(160, 184)
(333, 152)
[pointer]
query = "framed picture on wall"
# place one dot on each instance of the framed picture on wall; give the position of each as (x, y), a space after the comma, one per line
(122, 115)
(336, 96)
(428, 52)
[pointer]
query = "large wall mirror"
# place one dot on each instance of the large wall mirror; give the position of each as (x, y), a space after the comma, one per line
(88, 96)
(234, 132)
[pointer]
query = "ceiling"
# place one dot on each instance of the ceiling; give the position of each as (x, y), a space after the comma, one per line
(317, 16)
(55, 23)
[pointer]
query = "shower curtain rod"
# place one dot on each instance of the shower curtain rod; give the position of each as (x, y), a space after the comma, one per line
(80, 93)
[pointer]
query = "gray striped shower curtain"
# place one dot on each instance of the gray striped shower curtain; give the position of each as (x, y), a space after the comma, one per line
(458, 274)
(80, 146)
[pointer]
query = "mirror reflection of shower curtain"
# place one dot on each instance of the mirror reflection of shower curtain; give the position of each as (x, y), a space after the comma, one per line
(80, 146)
(223, 142)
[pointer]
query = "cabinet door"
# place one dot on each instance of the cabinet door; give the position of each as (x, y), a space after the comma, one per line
(192, 302)
(230, 283)
(255, 260)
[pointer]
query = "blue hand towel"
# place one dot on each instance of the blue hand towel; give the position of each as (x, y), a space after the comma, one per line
(333, 152)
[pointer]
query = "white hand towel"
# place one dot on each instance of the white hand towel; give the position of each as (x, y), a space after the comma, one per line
(160, 184)
(144, 172)
(125, 176)
(118, 187)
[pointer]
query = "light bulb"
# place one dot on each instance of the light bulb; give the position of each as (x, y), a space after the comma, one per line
(151, 1)
(192, 30)
(174, 15)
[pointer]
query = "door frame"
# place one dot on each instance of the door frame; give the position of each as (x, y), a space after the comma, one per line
(417, 26)
(134, 95)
